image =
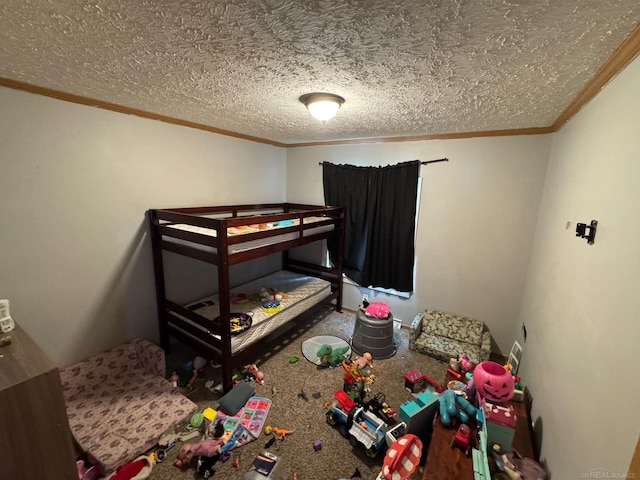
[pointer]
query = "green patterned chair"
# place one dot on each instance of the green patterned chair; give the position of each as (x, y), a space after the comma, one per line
(443, 335)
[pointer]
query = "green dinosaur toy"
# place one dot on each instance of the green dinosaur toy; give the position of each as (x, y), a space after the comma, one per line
(330, 357)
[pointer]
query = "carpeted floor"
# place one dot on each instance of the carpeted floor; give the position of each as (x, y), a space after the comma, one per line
(284, 381)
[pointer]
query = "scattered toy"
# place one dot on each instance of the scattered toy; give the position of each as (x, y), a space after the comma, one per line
(280, 433)
(375, 309)
(254, 373)
(141, 467)
(208, 451)
(462, 439)
(188, 372)
(316, 395)
(303, 396)
(167, 439)
(466, 365)
(354, 422)
(402, 458)
(365, 361)
(330, 357)
(189, 435)
(455, 405)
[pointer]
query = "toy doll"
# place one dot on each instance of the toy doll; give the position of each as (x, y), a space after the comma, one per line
(208, 451)
(363, 362)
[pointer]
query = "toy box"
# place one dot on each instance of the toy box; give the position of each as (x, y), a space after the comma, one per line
(499, 424)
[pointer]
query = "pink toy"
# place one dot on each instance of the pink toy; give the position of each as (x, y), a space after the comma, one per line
(257, 375)
(87, 473)
(466, 365)
(376, 309)
(493, 382)
(203, 448)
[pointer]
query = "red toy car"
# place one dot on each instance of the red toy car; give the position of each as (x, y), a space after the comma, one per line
(462, 439)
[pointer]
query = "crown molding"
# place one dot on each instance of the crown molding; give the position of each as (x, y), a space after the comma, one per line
(619, 59)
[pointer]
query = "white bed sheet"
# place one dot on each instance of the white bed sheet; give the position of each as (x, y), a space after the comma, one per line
(250, 244)
(302, 293)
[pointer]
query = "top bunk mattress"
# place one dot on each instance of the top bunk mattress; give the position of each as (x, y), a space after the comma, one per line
(302, 292)
(250, 244)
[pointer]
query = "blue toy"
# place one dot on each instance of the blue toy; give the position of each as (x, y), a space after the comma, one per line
(455, 405)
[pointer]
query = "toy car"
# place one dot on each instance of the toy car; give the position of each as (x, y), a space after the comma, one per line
(462, 439)
(361, 426)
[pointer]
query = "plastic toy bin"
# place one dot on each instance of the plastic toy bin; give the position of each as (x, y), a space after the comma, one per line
(373, 335)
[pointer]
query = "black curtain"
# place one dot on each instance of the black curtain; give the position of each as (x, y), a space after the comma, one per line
(380, 225)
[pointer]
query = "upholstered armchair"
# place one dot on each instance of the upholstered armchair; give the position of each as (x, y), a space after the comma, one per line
(443, 335)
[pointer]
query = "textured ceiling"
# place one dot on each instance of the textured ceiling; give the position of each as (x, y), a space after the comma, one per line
(405, 67)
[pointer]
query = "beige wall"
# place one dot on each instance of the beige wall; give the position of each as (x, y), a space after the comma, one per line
(76, 182)
(582, 302)
(477, 219)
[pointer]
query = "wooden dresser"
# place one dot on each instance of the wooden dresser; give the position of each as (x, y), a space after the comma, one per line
(35, 439)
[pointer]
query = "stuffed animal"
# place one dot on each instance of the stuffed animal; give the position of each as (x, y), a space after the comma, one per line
(375, 309)
(452, 404)
(271, 294)
(330, 356)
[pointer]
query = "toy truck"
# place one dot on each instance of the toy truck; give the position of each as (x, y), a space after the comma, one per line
(361, 426)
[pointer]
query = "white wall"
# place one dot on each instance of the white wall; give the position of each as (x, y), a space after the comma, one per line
(582, 302)
(76, 182)
(476, 225)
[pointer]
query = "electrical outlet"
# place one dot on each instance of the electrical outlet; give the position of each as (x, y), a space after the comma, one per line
(524, 332)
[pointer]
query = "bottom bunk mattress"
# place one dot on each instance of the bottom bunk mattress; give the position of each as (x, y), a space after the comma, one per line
(301, 292)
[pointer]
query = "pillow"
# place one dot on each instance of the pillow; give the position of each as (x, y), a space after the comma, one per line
(236, 398)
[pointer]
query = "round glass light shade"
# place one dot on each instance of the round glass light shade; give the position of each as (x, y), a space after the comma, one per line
(322, 106)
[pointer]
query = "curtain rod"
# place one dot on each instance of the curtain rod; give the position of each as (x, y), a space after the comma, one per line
(425, 162)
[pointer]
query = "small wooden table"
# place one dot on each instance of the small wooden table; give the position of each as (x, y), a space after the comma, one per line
(447, 463)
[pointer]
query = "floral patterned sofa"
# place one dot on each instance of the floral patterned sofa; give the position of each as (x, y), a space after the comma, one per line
(443, 335)
(119, 403)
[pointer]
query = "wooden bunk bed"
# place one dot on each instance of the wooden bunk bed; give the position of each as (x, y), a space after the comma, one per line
(229, 235)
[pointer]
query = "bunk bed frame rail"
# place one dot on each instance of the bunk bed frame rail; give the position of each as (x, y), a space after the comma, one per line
(220, 218)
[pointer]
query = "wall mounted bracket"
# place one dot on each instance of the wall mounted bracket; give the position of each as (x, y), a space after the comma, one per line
(581, 229)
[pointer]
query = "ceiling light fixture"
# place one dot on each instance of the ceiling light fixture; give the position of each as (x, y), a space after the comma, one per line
(322, 106)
